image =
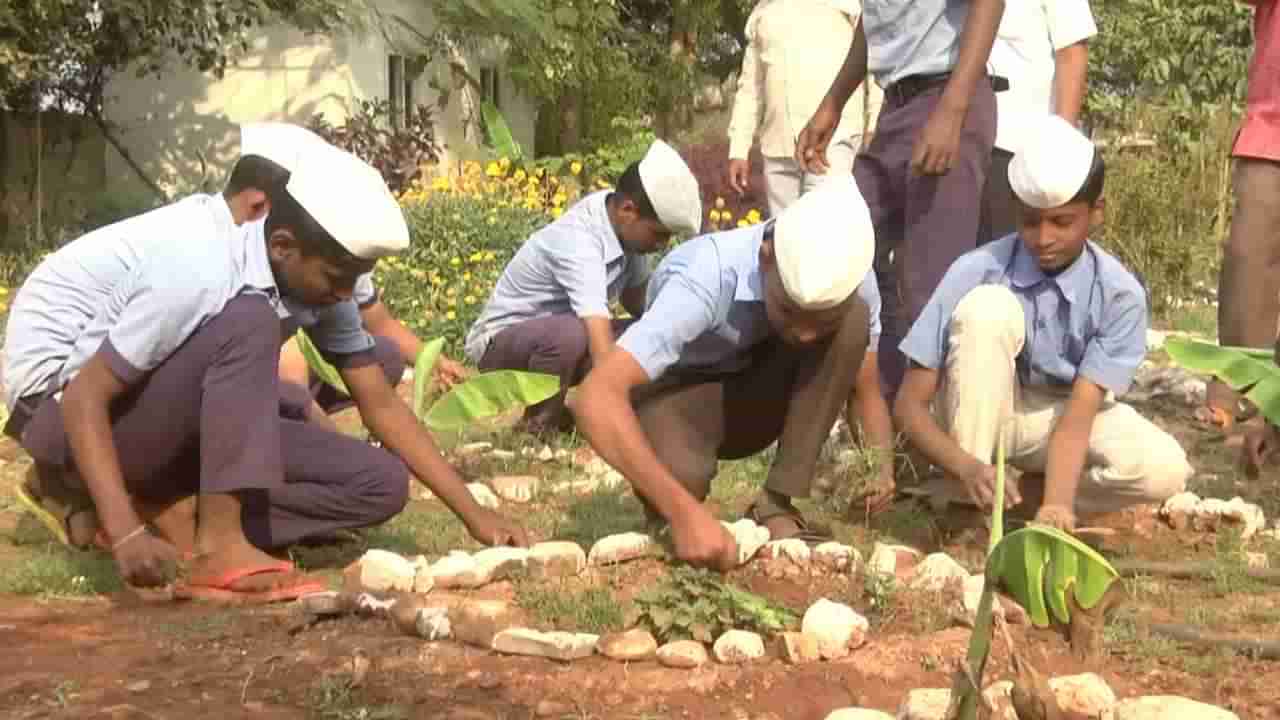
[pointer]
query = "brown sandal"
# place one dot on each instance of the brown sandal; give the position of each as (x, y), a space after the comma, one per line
(806, 531)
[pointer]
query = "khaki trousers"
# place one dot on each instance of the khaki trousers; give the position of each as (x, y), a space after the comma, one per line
(1130, 460)
(785, 181)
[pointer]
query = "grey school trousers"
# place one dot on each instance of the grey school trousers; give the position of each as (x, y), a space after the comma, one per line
(209, 420)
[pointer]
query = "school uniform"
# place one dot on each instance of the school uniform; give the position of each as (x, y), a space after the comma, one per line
(569, 270)
(922, 222)
(1010, 340)
(194, 329)
(723, 385)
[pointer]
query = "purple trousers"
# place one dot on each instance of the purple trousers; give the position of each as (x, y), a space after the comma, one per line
(554, 344)
(922, 222)
(209, 420)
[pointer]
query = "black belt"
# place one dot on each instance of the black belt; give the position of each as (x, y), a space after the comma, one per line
(912, 85)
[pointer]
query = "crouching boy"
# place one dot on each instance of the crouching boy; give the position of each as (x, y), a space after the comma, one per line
(1034, 336)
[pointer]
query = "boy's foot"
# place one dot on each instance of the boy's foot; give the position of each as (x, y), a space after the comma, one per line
(785, 523)
(244, 574)
(67, 512)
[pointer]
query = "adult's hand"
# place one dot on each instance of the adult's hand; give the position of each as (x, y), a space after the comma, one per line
(739, 175)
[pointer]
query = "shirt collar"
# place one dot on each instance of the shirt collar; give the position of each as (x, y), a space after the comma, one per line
(255, 264)
(1072, 282)
(597, 207)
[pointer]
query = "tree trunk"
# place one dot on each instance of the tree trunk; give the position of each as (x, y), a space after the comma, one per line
(570, 121)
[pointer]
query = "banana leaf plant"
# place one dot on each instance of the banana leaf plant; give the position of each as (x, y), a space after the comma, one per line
(498, 133)
(1044, 569)
(1250, 371)
(481, 396)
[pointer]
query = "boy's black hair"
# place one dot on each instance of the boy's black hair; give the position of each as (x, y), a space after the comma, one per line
(1092, 189)
(313, 239)
(255, 171)
(631, 186)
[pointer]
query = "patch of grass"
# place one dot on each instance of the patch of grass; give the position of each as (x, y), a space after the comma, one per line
(1231, 572)
(1125, 635)
(1259, 614)
(334, 697)
(738, 481)
(210, 626)
(906, 523)
(575, 609)
(603, 512)
(1200, 320)
(56, 572)
(881, 593)
(1209, 664)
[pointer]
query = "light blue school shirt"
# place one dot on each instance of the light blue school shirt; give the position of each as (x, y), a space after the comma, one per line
(145, 284)
(912, 37)
(1090, 320)
(704, 307)
(574, 265)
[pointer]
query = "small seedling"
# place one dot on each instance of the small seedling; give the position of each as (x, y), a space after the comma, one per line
(698, 605)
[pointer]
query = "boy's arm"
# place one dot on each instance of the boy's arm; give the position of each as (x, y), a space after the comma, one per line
(1068, 448)
(379, 321)
(811, 145)
(868, 406)
(937, 146)
(400, 432)
(1070, 67)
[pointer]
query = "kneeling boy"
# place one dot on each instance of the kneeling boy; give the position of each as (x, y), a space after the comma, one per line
(549, 312)
(1034, 336)
(748, 337)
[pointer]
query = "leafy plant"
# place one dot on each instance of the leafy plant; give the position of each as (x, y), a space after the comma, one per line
(1040, 565)
(696, 604)
(498, 133)
(397, 152)
(1250, 371)
(479, 397)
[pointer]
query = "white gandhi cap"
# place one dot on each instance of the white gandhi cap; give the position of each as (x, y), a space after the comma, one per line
(824, 244)
(1052, 165)
(672, 189)
(281, 143)
(351, 202)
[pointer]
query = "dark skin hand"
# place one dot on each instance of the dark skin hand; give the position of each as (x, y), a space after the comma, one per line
(391, 420)
(143, 560)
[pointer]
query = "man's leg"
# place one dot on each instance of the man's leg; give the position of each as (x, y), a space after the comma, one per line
(389, 358)
(782, 182)
(1249, 280)
(331, 482)
(978, 394)
(941, 220)
(556, 345)
(999, 206)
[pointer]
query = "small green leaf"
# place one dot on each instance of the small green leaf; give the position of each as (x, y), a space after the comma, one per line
(321, 367)
(489, 394)
(422, 369)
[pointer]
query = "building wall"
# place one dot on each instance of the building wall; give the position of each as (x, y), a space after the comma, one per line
(182, 127)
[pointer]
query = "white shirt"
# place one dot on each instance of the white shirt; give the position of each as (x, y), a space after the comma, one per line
(795, 49)
(1031, 31)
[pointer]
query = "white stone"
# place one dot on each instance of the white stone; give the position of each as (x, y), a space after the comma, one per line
(557, 559)
(837, 628)
(562, 454)
(884, 558)
(858, 714)
(325, 602)
(794, 550)
(631, 645)
(1086, 695)
(1155, 339)
(473, 448)
(514, 488)
(1170, 707)
(837, 557)
(382, 571)
(432, 623)
(684, 654)
(929, 704)
(964, 609)
(563, 646)
(454, 570)
(738, 646)
(596, 466)
(619, 548)
(502, 454)
(936, 572)
(749, 536)
(1179, 509)
(546, 454)
(1248, 515)
(498, 563)
(423, 580)
(1256, 560)
(483, 495)
(476, 622)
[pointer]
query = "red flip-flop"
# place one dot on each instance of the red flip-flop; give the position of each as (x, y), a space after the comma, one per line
(220, 591)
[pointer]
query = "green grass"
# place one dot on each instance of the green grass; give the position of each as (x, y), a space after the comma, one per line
(1199, 320)
(590, 517)
(57, 572)
(334, 697)
(560, 605)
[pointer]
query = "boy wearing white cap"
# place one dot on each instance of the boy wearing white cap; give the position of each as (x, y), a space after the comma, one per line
(549, 311)
(1034, 335)
(748, 337)
(142, 371)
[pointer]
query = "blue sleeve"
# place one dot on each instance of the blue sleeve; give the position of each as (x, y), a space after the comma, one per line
(365, 294)
(1113, 355)
(677, 313)
(339, 331)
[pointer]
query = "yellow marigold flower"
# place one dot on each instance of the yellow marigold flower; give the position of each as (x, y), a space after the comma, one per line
(475, 257)
(451, 315)
(418, 274)
(575, 167)
(493, 220)
(538, 173)
(471, 167)
(493, 170)
(470, 300)
(714, 216)
(556, 212)
(489, 256)
(753, 216)
(602, 183)
(719, 203)
(504, 161)
(453, 302)
(553, 180)
(743, 223)
(726, 216)
(519, 175)
(466, 276)
(440, 183)
(435, 280)
(456, 261)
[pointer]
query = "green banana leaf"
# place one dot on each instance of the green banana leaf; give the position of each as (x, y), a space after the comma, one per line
(489, 394)
(501, 139)
(321, 367)
(1025, 559)
(422, 369)
(1250, 370)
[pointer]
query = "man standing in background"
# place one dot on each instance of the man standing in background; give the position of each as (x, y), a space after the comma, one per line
(1042, 49)
(794, 50)
(1249, 280)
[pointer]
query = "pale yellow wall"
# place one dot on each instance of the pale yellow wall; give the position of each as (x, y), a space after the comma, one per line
(181, 127)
